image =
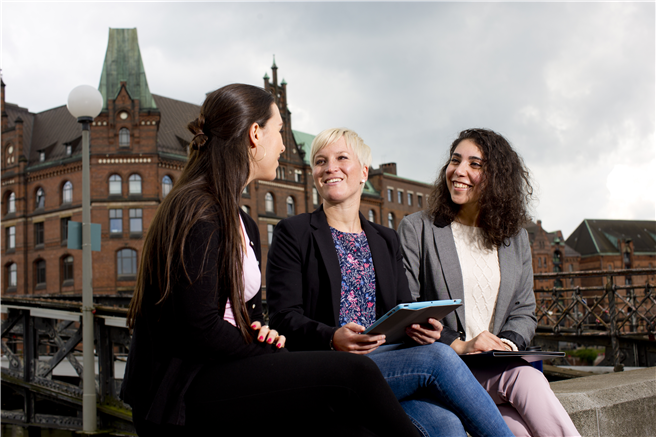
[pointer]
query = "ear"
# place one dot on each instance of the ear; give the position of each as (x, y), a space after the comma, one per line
(254, 133)
(365, 173)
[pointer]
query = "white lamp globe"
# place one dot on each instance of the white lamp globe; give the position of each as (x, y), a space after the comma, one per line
(85, 101)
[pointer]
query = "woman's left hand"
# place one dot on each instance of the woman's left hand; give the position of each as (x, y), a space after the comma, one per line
(425, 335)
(265, 334)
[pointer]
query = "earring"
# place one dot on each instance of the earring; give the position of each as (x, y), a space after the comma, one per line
(265, 152)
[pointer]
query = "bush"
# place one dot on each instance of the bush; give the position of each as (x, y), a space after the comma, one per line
(588, 356)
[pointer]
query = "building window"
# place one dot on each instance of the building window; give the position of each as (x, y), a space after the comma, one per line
(69, 149)
(372, 216)
(64, 229)
(315, 197)
(12, 275)
(40, 272)
(42, 156)
(389, 194)
(124, 137)
(115, 221)
(115, 188)
(126, 262)
(390, 220)
(134, 184)
(67, 192)
(246, 191)
(11, 203)
(420, 199)
(67, 269)
(135, 221)
(290, 206)
(40, 198)
(399, 195)
(167, 185)
(268, 202)
(11, 237)
(38, 234)
(246, 209)
(539, 262)
(269, 233)
(10, 154)
(282, 173)
(409, 199)
(298, 176)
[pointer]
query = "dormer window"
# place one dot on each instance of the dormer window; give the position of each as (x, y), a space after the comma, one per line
(124, 137)
(42, 156)
(69, 149)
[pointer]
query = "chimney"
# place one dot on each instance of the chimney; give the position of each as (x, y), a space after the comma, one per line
(390, 168)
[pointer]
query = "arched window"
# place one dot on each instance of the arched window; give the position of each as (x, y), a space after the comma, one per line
(390, 220)
(268, 203)
(67, 270)
(115, 185)
(67, 192)
(10, 237)
(270, 228)
(40, 272)
(40, 198)
(135, 184)
(124, 137)
(246, 209)
(315, 196)
(372, 216)
(167, 184)
(126, 262)
(290, 206)
(10, 154)
(11, 203)
(12, 275)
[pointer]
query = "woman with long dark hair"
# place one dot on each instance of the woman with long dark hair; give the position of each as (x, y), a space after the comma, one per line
(201, 362)
(471, 245)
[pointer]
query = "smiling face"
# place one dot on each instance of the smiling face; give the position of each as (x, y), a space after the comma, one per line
(338, 174)
(464, 175)
(267, 146)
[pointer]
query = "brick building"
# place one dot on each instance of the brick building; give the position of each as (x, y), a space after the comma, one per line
(550, 254)
(137, 152)
(615, 245)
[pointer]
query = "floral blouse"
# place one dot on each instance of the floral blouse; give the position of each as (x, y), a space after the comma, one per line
(358, 298)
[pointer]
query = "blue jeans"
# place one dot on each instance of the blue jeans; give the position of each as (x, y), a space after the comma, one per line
(433, 385)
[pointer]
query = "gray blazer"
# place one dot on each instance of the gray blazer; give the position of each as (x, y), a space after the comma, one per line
(434, 273)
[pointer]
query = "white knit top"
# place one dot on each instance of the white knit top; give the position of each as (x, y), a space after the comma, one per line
(480, 276)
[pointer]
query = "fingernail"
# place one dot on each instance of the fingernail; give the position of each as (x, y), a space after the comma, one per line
(261, 338)
(279, 345)
(270, 340)
(253, 326)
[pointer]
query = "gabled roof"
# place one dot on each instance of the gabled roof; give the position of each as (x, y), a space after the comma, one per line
(173, 136)
(52, 129)
(593, 236)
(532, 228)
(123, 64)
(304, 142)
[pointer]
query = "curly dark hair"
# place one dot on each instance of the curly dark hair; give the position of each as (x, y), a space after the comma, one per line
(506, 189)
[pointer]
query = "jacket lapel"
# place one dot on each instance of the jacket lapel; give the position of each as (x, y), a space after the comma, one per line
(380, 254)
(324, 240)
(445, 247)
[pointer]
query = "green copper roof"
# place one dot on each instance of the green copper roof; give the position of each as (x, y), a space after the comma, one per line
(123, 64)
(304, 141)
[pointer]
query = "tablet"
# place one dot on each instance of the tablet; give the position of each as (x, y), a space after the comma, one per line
(393, 324)
(492, 356)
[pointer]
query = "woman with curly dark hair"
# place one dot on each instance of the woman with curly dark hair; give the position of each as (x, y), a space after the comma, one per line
(471, 245)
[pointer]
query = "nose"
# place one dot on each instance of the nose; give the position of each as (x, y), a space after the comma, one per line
(460, 170)
(283, 148)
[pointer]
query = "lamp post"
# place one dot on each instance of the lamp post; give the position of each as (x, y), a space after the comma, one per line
(85, 103)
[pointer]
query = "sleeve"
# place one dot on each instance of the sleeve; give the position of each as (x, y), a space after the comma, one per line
(403, 294)
(285, 294)
(521, 323)
(197, 303)
(411, 248)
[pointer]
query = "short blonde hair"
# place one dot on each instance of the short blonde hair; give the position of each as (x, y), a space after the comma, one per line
(352, 139)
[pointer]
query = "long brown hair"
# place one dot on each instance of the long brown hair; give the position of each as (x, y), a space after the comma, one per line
(209, 189)
(506, 189)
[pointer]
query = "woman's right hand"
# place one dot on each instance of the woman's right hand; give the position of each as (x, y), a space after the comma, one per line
(483, 342)
(348, 338)
(268, 335)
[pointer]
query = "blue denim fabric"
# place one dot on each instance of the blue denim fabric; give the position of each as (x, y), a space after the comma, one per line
(432, 419)
(435, 371)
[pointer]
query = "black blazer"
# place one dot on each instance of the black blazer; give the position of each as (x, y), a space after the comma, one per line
(172, 341)
(304, 278)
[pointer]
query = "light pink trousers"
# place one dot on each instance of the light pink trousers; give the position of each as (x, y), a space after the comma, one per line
(525, 400)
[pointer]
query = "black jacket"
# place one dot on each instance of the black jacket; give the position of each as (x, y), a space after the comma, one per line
(304, 278)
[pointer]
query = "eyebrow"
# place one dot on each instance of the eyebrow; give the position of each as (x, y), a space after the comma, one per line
(471, 157)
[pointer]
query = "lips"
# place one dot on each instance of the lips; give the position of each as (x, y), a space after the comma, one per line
(332, 180)
(460, 185)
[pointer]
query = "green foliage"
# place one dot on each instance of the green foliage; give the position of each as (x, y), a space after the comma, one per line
(586, 355)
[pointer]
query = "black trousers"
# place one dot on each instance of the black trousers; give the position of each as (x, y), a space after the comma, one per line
(291, 394)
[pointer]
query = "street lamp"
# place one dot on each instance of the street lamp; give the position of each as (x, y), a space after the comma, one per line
(85, 103)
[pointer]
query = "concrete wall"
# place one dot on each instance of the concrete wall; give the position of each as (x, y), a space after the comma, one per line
(611, 405)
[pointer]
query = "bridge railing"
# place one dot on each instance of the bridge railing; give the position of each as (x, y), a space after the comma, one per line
(608, 308)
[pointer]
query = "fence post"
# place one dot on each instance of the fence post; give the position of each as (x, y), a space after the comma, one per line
(612, 310)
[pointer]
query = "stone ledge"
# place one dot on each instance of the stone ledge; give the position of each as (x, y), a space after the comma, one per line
(611, 405)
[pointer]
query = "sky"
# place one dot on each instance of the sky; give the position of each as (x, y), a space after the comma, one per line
(570, 85)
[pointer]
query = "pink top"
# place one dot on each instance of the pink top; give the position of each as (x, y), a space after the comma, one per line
(252, 276)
